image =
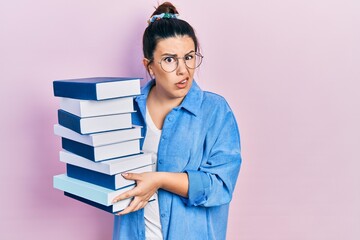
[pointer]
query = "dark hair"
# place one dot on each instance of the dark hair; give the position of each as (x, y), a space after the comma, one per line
(165, 28)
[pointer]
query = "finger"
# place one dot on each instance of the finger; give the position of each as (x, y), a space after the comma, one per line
(125, 195)
(131, 208)
(131, 176)
(141, 205)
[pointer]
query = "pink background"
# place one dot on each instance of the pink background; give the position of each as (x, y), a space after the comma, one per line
(289, 69)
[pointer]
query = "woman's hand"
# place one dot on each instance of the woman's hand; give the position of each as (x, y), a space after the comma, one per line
(147, 184)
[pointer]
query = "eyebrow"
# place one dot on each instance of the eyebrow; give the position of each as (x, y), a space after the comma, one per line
(175, 55)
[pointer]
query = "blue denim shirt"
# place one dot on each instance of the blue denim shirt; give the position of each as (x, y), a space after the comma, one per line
(199, 137)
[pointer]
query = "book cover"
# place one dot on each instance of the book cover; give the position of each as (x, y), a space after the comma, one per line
(104, 152)
(108, 181)
(101, 138)
(92, 192)
(97, 88)
(94, 124)
(92, 108)
(117, 207)
(110, 167)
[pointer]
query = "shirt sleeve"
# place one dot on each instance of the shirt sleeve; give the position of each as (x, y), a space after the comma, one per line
(214, 182)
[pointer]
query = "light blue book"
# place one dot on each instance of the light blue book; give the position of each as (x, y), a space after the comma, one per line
(92, 192)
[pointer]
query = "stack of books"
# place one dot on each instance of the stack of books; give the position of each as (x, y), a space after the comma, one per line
(99, 141)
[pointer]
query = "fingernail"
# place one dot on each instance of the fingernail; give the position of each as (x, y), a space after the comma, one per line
(124, 174)
(114, 201)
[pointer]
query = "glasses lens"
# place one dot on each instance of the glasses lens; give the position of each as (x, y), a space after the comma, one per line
(192, 60)
(169, 64)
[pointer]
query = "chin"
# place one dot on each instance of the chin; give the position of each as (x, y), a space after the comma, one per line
(182, 92)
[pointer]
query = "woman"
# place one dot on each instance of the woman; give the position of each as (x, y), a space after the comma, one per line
(194, 139)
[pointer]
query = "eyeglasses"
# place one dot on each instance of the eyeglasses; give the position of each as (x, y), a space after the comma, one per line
(170, 63)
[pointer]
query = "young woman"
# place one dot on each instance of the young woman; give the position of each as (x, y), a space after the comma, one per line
(193, 137)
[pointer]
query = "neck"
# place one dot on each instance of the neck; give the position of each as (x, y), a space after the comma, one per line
(160, 105)
(163, 100)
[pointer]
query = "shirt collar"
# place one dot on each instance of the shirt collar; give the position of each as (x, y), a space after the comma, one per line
(191, 102)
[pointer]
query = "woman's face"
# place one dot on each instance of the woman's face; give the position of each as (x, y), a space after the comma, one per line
(174, 84)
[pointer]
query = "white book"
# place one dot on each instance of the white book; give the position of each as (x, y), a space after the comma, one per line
(92, 192)
(120, 181)
(94, 124)
(111, 167)
(99, 139)
(92, 108)
(104, 152)
(114, 182)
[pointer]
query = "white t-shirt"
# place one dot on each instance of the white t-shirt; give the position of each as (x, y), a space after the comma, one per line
(151, 210)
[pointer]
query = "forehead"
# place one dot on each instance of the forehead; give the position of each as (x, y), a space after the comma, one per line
(175, 45)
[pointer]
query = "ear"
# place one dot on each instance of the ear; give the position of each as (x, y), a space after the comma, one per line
(147, 66)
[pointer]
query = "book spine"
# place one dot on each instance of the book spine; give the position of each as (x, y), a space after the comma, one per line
(86, 91)
(115, 208)
(100, 179)
(69, 120)
(80, 149)
(72, 135)
(109, 209)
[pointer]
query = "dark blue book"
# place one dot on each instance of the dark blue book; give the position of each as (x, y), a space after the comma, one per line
(94, 124)
(111, 209)
(97, 88)
(117, 207)
(114, 182)
(101, 153)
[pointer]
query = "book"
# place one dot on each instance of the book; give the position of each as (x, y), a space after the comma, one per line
(99, 139)
(92, 108)
(92, 192)
(94, 124)
(111, 167)
(117, 207)
(104, 152)
(97, 88)
(114, 182)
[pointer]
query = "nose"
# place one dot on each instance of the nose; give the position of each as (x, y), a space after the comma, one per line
(182, 68)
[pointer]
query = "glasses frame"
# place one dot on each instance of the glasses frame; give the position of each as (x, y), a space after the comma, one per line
(177, 62)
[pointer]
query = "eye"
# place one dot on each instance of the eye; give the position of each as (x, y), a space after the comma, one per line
(169, 59)
(189, 57)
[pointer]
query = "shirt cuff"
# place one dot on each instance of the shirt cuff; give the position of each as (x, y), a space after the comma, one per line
(199, 184)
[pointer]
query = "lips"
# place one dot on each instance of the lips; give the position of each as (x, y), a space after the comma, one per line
(183, 83)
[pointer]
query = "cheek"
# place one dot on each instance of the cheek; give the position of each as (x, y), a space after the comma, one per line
(191, 72)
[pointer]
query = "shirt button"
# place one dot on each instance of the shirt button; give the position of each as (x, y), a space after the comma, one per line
(160, 161)
(170, 119)
(163, 215)
(164, 137)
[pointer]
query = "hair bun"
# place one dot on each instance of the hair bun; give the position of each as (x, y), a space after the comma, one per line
(166, 7)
